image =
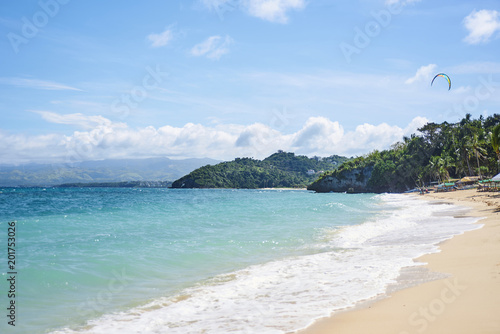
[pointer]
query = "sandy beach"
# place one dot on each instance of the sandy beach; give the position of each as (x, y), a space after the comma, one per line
(466, 301)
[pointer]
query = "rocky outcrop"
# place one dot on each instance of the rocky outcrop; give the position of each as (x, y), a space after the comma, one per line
(186, 182)
(352, 181)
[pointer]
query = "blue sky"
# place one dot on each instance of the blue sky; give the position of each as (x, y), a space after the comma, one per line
(89, 80)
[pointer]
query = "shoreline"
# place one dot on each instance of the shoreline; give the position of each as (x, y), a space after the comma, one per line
(466, 300)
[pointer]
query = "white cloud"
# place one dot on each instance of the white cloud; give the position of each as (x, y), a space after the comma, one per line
(213, 47)
(107, 140)
(161, 39)
(273, 10)
(268, 10)
(414, 125)
(367, 137)
(423, 73)
(36, 84)
(481, 25)
(317, 134)
(20, 148)
(80, 120)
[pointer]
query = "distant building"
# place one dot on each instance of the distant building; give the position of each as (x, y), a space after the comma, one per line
(311, 172)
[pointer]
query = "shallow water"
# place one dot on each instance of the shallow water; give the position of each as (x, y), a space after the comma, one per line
(107, 260)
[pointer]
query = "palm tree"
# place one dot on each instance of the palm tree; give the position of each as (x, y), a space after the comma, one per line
(495, 140)
(439, 167)
(466, 152)
(434, 164)
(478, 151)
(445, 163)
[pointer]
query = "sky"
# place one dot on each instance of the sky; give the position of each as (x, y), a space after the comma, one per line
(92, 80)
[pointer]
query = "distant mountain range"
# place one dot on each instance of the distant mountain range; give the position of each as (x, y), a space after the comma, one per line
(153, 169)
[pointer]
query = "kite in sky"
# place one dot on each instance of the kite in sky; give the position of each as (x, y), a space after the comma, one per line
(444, 76)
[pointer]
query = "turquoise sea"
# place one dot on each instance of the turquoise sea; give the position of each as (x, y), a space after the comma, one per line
(116, 260)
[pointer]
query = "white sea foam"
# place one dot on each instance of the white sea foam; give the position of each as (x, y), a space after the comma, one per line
(356, 263)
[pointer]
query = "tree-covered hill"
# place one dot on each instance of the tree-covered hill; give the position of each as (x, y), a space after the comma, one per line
(281, 169)
(440, 152)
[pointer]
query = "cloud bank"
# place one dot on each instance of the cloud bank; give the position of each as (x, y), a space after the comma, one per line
(104, 139)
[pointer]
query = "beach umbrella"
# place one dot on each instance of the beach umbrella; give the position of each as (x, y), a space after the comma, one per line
(496, 178)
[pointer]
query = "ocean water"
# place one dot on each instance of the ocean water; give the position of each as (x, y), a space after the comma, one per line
(115, 260)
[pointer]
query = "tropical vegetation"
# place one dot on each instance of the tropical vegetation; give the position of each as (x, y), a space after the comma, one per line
(439, 152)
(281, 169)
